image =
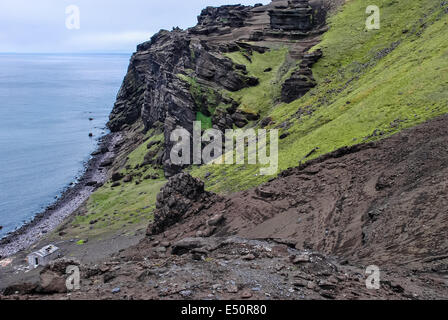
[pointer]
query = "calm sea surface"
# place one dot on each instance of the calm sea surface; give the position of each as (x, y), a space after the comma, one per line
(45, 105)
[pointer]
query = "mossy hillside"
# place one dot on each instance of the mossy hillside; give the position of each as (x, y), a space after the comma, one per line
(135, 160)
(129, 204)
(371, 84)
(230, 176)
(119, 207)
(261, 98)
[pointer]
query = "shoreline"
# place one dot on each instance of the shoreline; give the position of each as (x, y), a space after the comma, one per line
(69, 201)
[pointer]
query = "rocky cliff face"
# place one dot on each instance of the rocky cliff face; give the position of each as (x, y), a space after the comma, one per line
(297, 15)
(181, 197)
(221, 19)
(152, 88)
(155, 88)
(179, 73)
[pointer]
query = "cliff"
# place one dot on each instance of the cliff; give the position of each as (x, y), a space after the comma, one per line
(181, 73)
(329, 85)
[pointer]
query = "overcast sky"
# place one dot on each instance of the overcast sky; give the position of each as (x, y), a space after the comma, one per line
(105, 25)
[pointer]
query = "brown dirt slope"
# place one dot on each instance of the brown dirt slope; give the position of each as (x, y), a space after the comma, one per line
(308, 234)
(382, 203)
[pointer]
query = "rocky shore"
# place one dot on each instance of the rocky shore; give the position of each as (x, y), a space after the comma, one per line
(94, 176)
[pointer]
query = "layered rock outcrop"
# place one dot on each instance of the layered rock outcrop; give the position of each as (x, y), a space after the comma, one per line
(296, 16)
(157, 88)
(179, 73)
(182, 196)
(221, 19)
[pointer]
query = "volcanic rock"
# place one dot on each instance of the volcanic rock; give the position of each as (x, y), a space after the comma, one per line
(154, 91)
(298, 15)
(215, 220)
(117, 176)
(177, 199)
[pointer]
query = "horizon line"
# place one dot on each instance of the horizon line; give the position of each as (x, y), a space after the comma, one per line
(67, 52)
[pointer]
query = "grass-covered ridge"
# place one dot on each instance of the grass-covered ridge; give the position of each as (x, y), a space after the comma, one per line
(129, 204)
(371, 84)
(267, 67)
(115, 208)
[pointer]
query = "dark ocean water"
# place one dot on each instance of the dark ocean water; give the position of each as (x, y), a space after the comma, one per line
(45, 105)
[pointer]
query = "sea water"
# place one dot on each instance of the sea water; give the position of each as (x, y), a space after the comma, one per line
(47, 102)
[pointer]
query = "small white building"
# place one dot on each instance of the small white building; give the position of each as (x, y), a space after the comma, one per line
(43, 257)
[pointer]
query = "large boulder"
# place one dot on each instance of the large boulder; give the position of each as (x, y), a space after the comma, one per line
(52, 279)
(297, 86)
(179, 198)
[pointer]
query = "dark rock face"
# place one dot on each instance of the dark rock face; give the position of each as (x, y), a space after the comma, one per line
(178, 199)
(228, 16)
(302, 80)
(223, 120)
(127, 108)
(297, 16)
(117, 176)
(152, 88)
(154, 91)
(297, 86)
(212, 66)
(220, 20)
(172, 77)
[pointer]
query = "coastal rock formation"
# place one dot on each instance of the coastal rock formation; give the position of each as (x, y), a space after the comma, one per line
(296, 16)
(164, 84)
(182, 196)
(221, 19)
(179, 74)
(308, 233)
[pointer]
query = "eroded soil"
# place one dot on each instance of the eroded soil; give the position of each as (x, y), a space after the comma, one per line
(308, 234)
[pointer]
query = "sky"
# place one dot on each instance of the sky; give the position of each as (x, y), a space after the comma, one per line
(44, 26)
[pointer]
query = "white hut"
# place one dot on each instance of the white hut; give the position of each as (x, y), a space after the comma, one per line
(43, 256)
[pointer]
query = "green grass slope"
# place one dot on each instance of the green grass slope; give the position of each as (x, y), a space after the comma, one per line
(122, 207)
(371, 84)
